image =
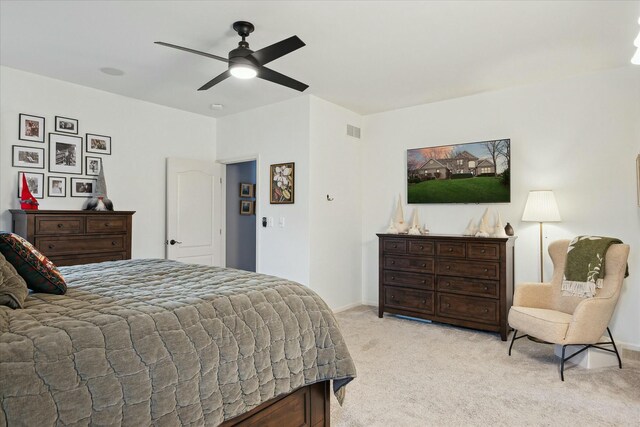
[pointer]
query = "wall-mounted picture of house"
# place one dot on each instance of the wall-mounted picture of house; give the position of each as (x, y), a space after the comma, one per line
(476, 172)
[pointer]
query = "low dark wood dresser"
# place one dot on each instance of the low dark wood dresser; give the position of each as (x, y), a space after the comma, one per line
(76, 237)
(460, 280)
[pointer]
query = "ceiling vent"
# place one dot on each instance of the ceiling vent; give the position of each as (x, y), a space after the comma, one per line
(353, 131)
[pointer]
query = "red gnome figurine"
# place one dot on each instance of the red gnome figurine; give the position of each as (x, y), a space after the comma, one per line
(27, 201)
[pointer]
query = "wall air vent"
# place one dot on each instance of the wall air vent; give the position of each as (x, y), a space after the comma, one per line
(353, 131)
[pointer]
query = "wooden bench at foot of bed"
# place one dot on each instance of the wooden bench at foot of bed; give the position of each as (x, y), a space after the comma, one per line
(306, 406)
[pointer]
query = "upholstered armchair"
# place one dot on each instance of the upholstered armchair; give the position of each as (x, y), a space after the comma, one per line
(540, 311)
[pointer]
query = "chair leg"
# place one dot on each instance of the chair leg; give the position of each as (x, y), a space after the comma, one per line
(564, 347)
(513, 338)
(615, 348)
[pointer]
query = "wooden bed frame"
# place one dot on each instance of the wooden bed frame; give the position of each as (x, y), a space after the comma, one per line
(306, 406)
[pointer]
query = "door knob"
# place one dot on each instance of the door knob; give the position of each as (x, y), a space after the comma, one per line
(173, 242)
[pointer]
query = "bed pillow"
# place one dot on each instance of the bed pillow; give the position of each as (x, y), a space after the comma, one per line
(36, 269)
(13, 288)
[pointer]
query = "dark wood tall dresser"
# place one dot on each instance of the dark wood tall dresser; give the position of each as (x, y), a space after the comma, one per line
(460, 280)
(76, 237)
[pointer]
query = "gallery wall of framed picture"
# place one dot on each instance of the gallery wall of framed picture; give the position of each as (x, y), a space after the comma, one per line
(61, 151)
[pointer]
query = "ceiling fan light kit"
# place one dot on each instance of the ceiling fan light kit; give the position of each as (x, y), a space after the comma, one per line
(244, 63)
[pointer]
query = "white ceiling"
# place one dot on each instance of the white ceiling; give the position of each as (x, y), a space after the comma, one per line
(366, 56)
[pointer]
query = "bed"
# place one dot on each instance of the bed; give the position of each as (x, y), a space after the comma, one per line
(142, 342)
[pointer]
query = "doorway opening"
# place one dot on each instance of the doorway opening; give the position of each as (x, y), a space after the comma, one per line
(240, 215)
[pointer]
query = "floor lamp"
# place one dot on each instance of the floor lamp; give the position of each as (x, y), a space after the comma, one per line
(541, 207)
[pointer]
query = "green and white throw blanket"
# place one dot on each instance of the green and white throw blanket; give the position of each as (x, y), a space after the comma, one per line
(584, 270)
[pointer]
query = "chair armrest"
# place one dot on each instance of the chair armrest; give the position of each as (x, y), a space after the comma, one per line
(590, 319)
(535, 295)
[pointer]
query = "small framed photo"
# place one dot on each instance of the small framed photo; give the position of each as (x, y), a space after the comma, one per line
(98, 144)
(65, 154)
(83, 187)
(28, 157)
(57, 186)
(282, 183)
(92, 165)
(247, 207)
(31, 128)
(35, 182)
(247, 190)
(66, 125)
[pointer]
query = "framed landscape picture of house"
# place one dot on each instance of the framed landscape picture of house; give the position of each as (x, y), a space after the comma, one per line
(282, 183)
(475, 172)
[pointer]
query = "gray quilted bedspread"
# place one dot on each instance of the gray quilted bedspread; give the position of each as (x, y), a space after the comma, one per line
(156, 342)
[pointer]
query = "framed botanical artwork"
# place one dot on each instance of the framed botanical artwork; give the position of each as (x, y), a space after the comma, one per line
(31, 128)
(83, 187)
(92, 165)
(247, 207)
(246, 190)
(28, 157)
(282, 183)
(98, 144)
(65, 154)
(35, 182)
(57, 186)
(66, 125)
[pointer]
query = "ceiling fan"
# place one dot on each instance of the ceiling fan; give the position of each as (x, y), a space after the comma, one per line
(246, 64)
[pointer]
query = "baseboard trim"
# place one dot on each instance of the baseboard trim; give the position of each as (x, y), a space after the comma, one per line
(347, 307)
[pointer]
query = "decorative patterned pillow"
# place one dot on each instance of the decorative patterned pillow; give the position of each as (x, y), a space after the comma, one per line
(36, 269)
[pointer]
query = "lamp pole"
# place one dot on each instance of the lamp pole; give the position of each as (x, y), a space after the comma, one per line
(541, 257)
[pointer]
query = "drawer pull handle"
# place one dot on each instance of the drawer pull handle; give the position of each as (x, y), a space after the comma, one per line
(448, 267)
(60, 225)
(483, 251)
(51, 246)
(393, 297)
(424, 265)
(486, 289)
(424, 301)
(486, 270)
(486, 310)
(450, 249)
(107, 224)
(395, 246)
(448, 284)
(393, 277)
(113, 243)
(393, 262)
(446, 306)
(421, 247)
(424, 282)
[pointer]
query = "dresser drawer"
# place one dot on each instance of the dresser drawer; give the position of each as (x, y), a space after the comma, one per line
(397, 246)
(420, 265)
(57, 225)
(484, 270)
(483, 250)
(79, 245)
(412, 280)
(106, 224)
(418, 247)
(459, 285)
(62, 260)
(451, 249)
(468, 308)
(409, 299)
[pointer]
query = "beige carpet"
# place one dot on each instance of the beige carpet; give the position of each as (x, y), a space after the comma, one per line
(418, 374)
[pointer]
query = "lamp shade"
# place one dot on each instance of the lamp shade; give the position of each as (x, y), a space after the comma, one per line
(541, 207)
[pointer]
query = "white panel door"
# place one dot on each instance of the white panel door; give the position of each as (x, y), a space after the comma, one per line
(194, 211)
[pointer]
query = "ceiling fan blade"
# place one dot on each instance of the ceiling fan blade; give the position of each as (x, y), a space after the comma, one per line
(275, 77)
(216, 80)
(197, 52)
(275, 51)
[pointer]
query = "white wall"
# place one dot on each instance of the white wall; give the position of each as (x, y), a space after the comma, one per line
(142, 136)
(336, 232)
(276, 133)
(578, 136)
